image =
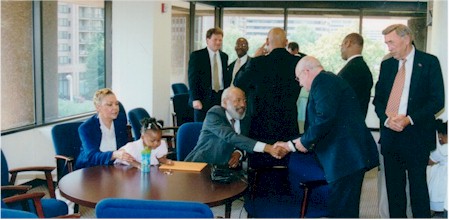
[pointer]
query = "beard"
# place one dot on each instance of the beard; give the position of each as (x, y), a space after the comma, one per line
(234, 113)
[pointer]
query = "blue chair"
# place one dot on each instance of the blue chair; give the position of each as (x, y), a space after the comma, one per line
(11, 213)
(178, 88)
(131, 208)
(307, 178)
(187, 137)
(67, 144)
(134, 117)
(16, 197)
(182, 111)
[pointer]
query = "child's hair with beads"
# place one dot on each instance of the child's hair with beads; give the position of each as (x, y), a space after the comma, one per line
(150, 124)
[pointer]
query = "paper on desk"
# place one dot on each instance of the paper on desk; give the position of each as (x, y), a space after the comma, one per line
(186, 166)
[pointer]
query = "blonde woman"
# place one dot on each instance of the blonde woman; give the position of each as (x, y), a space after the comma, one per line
(104, 133)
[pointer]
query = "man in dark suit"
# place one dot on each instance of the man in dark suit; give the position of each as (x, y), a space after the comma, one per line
(356, 72)
(224, 132)
(237, 66)
(208, 75)
(408, 94)
(275, 95)
(294, 49)
(336, 131)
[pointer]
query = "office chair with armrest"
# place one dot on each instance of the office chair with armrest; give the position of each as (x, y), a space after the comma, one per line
(135, 117)
(46, 169)
(187, 137)
(11, 213)
(307, 179)
(182, 111)
(178, 88)
(16, 197)
(132, 208)
(67, 144)
(123, 116)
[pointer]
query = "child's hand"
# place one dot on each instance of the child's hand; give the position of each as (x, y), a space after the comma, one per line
(169, 162)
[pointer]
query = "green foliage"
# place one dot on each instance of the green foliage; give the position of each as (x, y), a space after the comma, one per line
(94, 77)
(70, 108)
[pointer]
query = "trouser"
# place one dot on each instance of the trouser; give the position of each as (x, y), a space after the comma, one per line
(213, 99)
(396, 164)
(345, 196)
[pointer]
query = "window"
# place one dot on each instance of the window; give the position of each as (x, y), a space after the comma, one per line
(253, 24)
(180, 43)
(67, 72)
(204, 20)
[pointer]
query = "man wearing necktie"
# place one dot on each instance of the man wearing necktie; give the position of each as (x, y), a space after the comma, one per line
(408, 94)
(224, 131)
(207, 74)
(241, 49)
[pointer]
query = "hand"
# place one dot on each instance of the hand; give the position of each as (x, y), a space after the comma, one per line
(277, 151)
(234, 160)
(197, 104)
(299, 146)
(260, 51)
(398, 123)
(123, 155)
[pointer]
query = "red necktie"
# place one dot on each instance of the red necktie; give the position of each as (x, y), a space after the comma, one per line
(396, 92)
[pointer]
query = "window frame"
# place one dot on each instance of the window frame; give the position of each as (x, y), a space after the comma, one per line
(38, 71)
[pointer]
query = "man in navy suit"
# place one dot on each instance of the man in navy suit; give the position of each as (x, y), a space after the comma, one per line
(336, 131)
(208, 75)
(407, 134)
(356, 72)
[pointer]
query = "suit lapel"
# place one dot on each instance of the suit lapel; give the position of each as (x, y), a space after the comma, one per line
(415, 75)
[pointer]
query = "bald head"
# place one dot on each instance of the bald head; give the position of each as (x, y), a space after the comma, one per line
(306, 70)
(276, 38)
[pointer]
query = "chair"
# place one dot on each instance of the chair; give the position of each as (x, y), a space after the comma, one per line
(182, 111)
(123, 116)
(178, 88)
(131, 208)
(46, 169)
(11, 213)
(187, 137)
(67, 144)
(16, 197)
(134, 117)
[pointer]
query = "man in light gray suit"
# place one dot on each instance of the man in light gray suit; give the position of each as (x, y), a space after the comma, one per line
(224, 132)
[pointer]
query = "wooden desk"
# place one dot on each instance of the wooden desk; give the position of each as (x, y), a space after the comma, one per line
(90, 185)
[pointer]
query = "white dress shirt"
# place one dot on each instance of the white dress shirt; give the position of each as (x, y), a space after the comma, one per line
(108, 142)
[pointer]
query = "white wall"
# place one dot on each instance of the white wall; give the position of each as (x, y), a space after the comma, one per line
(141, 56)
(438, 42)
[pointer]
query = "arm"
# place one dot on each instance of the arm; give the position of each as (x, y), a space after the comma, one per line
(90, 135)
(194, 77)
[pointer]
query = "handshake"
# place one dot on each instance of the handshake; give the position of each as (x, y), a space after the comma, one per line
(280, 148)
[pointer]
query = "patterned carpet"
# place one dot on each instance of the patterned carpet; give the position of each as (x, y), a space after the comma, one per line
(368, 207)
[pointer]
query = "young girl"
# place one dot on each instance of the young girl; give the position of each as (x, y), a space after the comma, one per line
(151, 137)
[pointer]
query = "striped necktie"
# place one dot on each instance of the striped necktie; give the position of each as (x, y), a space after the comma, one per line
(216, 85)
(396, 92)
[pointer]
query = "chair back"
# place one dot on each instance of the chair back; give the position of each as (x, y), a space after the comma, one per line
(134, 117)
(132, 208)
(66, 142)
(187, 137)
(178, 88)
(183, 112)
(5, 171)
(11, 213)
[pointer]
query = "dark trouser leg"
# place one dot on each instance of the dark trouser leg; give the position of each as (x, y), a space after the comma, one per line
(395, 184)
(199, 115)
(420, 200)
(345, 196)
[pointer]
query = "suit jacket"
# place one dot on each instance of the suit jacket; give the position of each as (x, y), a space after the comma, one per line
(276, 91)
(91, 136)
(426, 98)
(336, 130)
(199, 75)
(241, 69)
(218, 139)
(358, 75)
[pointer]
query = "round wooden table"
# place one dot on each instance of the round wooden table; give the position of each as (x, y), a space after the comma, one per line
(90, 185)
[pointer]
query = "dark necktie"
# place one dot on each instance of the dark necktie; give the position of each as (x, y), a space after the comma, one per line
(233, 121)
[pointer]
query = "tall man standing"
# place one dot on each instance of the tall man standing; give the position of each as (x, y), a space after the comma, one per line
(275, 95)
(241, 49)
(208, 75)
(356, 72)
(335, 130)
(408, 94)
